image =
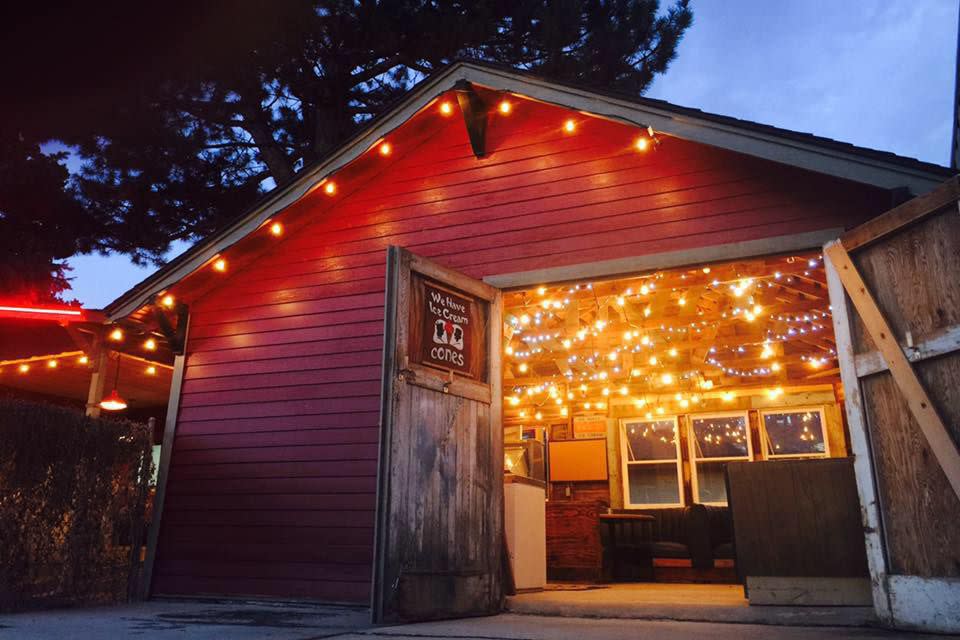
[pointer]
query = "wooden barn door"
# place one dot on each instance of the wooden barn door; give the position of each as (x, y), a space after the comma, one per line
(895, 292)
(440, 493)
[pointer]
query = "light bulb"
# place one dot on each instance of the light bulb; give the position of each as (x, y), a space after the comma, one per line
(505, 107)
(276, 229)
(446, 108)
(385, 148)
(569, 126)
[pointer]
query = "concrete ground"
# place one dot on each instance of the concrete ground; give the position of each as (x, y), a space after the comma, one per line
(208, 620)
(680, 602)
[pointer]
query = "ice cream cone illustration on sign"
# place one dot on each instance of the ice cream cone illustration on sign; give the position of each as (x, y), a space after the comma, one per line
(456, 338)
(446, 332)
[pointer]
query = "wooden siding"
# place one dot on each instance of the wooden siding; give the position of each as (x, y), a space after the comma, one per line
(273, 476)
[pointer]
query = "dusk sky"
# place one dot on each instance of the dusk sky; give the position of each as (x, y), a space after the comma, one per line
(875, 73)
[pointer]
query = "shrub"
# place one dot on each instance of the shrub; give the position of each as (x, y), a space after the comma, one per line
(73, 502)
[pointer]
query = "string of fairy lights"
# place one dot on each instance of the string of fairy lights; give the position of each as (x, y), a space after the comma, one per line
(329, 186)
(50, 363)
(643, 357)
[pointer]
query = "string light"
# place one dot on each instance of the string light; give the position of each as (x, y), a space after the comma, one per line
(117, 334)
(51, 364)
(605, 346)
(641, 144)
(151, 370)
(83, 360)
(569, 126)
(385, 148)
(446, 108)
(276, 229)
(150, 344)
(23, 368)
(505, 107)
(220, 265)
(167, 301)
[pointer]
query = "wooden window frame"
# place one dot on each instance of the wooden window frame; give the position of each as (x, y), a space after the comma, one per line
(625, 463)
(694, 459)
(765, 439)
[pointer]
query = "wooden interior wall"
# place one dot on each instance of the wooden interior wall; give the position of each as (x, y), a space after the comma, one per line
(273, 474)
(913, 277)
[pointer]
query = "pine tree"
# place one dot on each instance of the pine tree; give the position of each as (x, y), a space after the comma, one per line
(252, 92)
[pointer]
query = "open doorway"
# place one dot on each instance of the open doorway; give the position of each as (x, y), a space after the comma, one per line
(631, 401)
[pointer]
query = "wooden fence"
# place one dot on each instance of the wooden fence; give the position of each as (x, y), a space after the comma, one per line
(895, 289)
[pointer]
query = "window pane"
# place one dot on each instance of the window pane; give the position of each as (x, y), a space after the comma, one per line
(711, 486)
(651, 440)
(720, 437)
(798, 432)
(653, 483)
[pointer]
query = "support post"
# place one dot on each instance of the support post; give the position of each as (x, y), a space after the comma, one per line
(98, 377)
(166, 451)
(863, 466)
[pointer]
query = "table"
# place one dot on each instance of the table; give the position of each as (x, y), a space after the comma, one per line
(626, 540)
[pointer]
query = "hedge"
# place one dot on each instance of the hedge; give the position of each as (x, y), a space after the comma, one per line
(73, 506)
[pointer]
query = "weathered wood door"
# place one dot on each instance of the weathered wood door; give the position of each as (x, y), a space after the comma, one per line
(440, 493)
(895, 294)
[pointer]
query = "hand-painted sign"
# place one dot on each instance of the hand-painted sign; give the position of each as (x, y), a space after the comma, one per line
(590, 427)
(449, 326)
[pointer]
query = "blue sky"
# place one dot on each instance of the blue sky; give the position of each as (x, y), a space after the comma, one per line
(876, 73)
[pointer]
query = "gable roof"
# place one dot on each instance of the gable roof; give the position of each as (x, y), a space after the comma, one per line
(802, 150)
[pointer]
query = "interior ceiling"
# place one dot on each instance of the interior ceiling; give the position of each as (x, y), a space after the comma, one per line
(669, 340)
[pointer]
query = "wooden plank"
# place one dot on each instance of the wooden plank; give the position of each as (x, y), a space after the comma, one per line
(474, 117)
(925, 604)
(922, 409)
(98, 376)
(919, 534)
(939, 343)
(807, 592)
(391, 329)
(439, 528)
(163, 475)
(785, 501)
(905, 214)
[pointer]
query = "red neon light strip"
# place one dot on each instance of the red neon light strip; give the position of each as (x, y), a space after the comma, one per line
(56, 312)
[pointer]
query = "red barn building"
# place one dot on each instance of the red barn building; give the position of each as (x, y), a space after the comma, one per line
(520, 203)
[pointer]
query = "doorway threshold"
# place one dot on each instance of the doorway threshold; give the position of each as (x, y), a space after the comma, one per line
(722, 603)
